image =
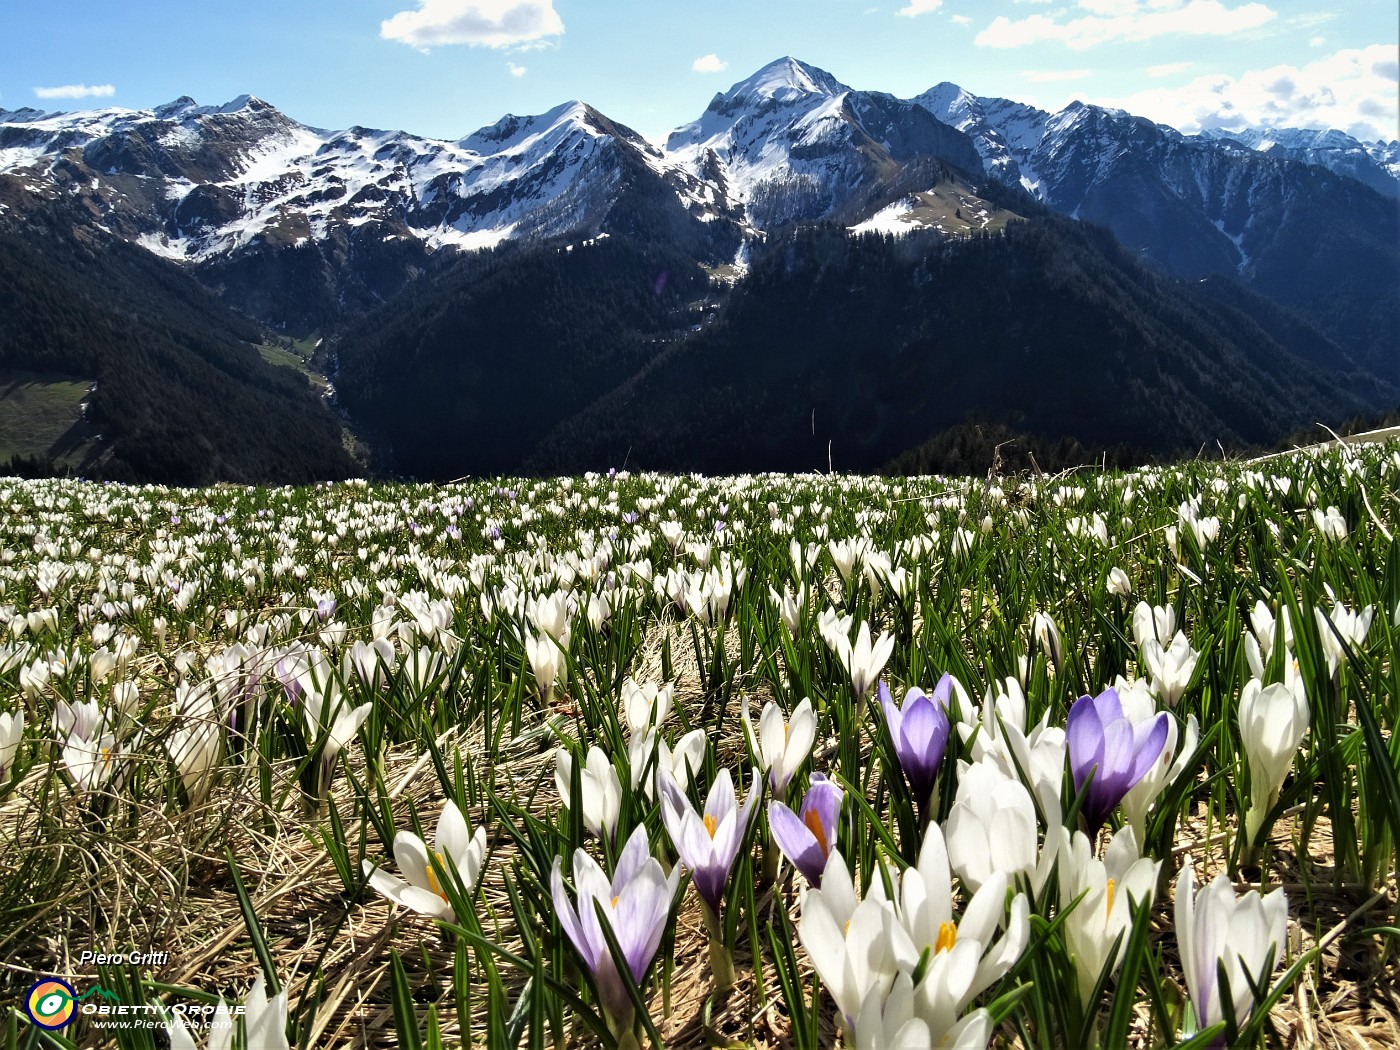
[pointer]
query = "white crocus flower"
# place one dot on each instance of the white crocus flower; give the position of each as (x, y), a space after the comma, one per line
(1047, 637)
(1038, 757)
(1139, 706)
(1259, 639)
(865, 659)
(845, 554)
(1247, 936)
(599, 609)
(856, 948)
(125, 696)
(1330, 524)
(1113, 885)
(790, 607)
(1153, 622)
(551, 616)
(887, 1020)
(33, 677)
(92, 762)
(1273, 721)
(646, 706)
(1353, 626)
(683, 762)
(546, 661)
(421, 668)
(419, 889)
(11, 733)
(965, 960)
(835, 629)
(641, 746)
(330, 719)
(265, 1023)
(1170, 668)
(780, 745)
(101, 663)
(992, 827)
(601, 787)
(196, 740)
(1119, 583)
(82, 718)
(372, 662)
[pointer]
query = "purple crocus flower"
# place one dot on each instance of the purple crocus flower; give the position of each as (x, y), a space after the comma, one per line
(807, 838)
(707, 843)
(637, 904)
(1103, 740)
(919, 728)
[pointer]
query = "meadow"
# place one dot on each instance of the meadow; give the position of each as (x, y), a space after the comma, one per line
(1091, 759)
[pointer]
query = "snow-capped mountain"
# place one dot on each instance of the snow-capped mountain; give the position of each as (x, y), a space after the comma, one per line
(194, 183)
(1323, 243)
(279, 215)
(791, 142)
(1377, 164)
(1003, 132)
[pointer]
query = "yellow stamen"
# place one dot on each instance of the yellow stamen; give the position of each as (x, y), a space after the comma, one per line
(614, 902)
(947, 937)
(1109, 909)
(814, 825)
(711, 825)
(433, 883)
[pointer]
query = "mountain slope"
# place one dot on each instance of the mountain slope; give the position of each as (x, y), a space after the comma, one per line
(1374, 164)
(308, 229)
(466, 374)
(791, 143)
(182, 395)
(1323, 244)
(862, 348)
(293, 224)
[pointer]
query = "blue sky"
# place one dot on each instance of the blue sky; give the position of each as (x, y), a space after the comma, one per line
(446, 67)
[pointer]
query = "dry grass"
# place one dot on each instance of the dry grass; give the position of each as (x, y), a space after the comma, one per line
(153, 880)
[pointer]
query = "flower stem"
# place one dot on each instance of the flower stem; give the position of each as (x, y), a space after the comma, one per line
(770, 864)
(722, 963)
(721, 960)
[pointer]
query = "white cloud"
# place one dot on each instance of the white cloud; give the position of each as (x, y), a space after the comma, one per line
(516, 71)
(961, 20)
(1316, 41)
(709, 64)
(1312, 19)
(919, 7)
(480, 23)
(76, 91)
(1050, 76)
(1169, 69)
(1354, 90)
(1108, 21)
(1109, 8)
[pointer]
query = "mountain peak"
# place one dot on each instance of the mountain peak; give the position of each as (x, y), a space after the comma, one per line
(184, 106)
(178, 107)
(783, 80)
(511, 131)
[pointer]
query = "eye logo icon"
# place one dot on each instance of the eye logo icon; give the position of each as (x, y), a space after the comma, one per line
(51, 1003)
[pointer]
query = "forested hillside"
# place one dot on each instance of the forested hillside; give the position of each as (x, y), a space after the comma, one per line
(182, 393)
(853, 350)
